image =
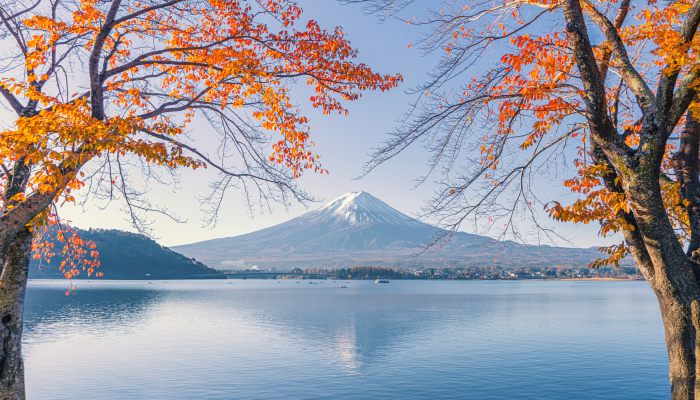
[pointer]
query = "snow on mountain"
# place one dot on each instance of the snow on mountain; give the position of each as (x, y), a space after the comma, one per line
(359, 229)
(362, 207)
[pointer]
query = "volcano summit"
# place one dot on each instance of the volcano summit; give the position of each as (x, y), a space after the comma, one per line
(359, 229)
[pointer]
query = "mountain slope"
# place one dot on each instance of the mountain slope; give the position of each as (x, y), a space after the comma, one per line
(359, 229)
(125, 255)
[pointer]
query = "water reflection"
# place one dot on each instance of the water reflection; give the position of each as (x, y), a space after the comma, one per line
(357, 328)
(268, 340)
(48, 310)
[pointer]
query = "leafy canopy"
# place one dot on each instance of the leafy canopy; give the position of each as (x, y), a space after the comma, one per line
(509, 84)
(99, 82)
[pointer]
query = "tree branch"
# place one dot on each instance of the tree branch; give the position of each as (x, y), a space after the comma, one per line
(632, 77)
(601, 126)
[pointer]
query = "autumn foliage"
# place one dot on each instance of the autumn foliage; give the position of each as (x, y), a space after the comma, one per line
(528, 104)
(100, 82)
(77, 256)
(605, 91)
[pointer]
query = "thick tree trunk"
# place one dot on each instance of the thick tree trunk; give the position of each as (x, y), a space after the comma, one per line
(680, 325)
(14, 282)
(670, 273)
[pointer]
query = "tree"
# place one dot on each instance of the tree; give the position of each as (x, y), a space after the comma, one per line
(523, 81)
(95, 85)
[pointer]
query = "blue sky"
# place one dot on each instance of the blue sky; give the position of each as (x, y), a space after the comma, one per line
(342, 142)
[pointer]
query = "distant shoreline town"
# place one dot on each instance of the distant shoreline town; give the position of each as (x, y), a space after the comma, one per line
(459, 273)
(148, 260)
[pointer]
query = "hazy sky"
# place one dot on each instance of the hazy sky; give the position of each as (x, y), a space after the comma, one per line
(342, 142)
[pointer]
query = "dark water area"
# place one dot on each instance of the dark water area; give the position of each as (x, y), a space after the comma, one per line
(287, 340)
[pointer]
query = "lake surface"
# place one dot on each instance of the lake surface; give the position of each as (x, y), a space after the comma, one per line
(288, 340)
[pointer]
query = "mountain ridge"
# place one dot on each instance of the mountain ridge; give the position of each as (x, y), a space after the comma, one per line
(360, 229)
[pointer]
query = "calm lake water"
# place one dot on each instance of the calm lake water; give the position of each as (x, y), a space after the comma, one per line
(289, 340)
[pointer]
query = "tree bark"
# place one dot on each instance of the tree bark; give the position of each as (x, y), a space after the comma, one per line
(687, 169)
(14, 282)
(680, 326)
(672, 280)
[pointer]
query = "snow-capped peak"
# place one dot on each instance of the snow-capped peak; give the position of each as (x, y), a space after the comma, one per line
(362, 207)
(359, 229)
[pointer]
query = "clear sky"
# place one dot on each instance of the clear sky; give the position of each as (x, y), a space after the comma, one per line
(342, 142)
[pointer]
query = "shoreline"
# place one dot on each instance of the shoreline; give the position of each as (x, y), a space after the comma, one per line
(347, 280)
(597, 279)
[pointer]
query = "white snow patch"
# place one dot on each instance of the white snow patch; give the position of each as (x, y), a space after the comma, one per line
(362, 207)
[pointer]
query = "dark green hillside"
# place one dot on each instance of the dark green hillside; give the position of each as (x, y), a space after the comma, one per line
(125, 255)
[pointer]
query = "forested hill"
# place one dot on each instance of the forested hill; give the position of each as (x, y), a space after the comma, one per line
(125, 255)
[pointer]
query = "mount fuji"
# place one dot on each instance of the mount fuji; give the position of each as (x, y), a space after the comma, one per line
(359, 229)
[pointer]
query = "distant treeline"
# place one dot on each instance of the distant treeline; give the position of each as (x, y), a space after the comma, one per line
(466, 273)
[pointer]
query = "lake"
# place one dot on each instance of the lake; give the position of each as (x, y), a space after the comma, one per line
(250, 339)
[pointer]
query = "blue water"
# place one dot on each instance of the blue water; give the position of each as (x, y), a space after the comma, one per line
(289, 340)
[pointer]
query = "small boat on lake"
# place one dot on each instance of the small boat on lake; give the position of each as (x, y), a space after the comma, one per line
(381, 281)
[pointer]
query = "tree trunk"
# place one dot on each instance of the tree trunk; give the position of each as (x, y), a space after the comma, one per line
(679, 305)
(14, 282)
(680, 326)
(670, 273)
